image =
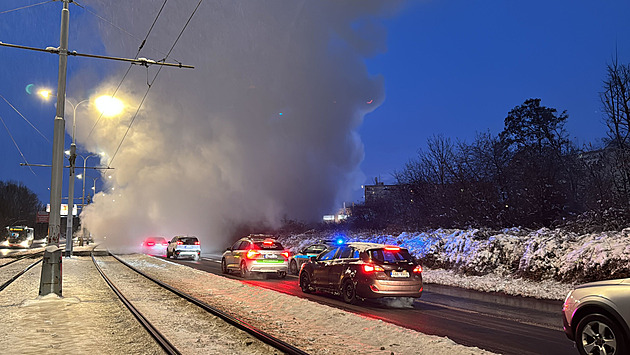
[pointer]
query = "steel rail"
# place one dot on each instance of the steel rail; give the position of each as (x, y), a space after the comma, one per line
(15, 277)
(159, 338)
(261, 335)
(17, 259)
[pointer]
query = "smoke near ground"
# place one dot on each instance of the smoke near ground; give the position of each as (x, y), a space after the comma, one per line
(265, 126)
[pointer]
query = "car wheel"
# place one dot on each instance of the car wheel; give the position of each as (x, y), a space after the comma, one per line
(349, 291)
(597, 334)
(245, 273)
(305, 282)
(224, 268)
(293, 270)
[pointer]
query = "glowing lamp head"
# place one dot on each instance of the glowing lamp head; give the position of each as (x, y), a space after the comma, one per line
(109, 106)
(45, 93)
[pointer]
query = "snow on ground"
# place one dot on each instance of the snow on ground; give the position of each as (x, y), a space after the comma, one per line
(312, 327)
(89, 319)
(544, 289)
(189, 328)
(542, 263)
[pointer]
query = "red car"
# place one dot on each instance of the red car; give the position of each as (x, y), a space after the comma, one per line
(363, 271)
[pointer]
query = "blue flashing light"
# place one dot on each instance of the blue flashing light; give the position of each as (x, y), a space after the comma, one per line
(279, 113)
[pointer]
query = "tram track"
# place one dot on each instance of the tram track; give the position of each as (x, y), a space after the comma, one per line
(180, 305)
(17, 268)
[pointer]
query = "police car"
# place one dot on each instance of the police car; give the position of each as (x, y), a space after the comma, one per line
(296, 261)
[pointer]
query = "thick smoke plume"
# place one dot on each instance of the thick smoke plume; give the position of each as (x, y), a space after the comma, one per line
(265, 126)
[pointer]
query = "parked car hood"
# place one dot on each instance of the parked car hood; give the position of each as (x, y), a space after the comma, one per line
(605, 283)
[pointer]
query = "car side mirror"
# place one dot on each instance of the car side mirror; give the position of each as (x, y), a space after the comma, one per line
(228, 249)
(313, 259)
(303, 252)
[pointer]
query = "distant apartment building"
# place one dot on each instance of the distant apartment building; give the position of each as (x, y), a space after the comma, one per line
(379, 191)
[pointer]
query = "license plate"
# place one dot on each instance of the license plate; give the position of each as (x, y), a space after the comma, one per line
(188, 246)
(403, 273)
(271, 256)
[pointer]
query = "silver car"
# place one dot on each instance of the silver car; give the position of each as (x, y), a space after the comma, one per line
(184, 246)
(256, 254)
(595, 316)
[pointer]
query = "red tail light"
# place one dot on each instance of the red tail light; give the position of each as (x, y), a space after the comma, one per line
(179, 242)
(150, 244)
(369, 268)
(285, 254)
(392, 248)
(197, 243)
(252, 254)
(417, 269)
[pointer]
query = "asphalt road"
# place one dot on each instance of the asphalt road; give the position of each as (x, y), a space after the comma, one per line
(494, 322)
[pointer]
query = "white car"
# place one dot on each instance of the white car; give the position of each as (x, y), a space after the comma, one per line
(183, 246)
(154, 246)
(596, 315)
(256, 253)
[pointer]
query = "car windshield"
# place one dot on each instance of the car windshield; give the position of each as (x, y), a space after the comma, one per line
(391, 255)
(268, 245)
(188, 241)
(315, 249)
(17, 233)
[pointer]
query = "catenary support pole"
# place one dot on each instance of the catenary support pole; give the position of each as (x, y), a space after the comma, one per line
(73, 157)
(54, 224)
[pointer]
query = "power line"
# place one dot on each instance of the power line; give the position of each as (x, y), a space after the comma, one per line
(153, 81)
(129, 69)
(25, 119)
(16, 145)
(125, 31)
(26, 7)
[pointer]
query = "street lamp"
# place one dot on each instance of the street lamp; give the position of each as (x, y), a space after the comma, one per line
(72, 157)
(83, 176)
(94, 188)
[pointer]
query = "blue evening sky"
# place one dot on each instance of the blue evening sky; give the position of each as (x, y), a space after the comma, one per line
(452, 68)
(458, 67)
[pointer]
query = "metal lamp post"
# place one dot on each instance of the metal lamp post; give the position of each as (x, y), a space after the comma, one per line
(83, 177)
(94, 188)
(72, 158)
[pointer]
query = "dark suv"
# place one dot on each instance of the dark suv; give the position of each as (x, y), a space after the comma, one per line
(363, 271)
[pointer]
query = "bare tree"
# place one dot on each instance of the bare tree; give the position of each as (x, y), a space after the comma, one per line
(616, 105)
(18, 204)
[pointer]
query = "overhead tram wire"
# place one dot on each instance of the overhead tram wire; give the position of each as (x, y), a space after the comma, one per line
(16, 145)
(153, 81)
(143, 41)
(25, 119)
(137, 53)
(27, 6)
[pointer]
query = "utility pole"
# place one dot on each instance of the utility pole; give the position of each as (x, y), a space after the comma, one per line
(73, 157)
(51, 278)
(54, 224)
(51, 267)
